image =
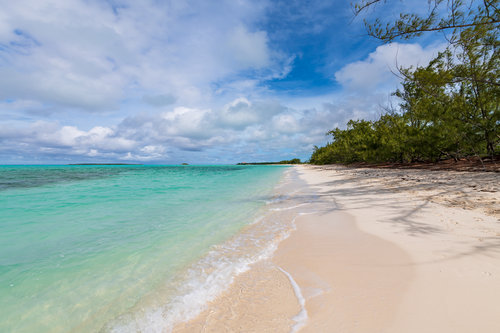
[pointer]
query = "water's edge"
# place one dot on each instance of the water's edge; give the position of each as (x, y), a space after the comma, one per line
(54, 279)
(211, 275)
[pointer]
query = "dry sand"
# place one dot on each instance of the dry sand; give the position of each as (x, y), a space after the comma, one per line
(375, 251)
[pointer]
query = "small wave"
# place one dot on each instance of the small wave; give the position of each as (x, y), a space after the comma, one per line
(301, 318)
(214, 273)
(257, 220)
(203, 282)
(291, 207)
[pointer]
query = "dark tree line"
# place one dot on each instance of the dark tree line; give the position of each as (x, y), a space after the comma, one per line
(292, 161)
(447, 109)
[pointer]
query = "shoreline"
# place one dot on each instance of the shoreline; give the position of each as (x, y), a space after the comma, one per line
(369, 257)
(347, 287)
(198, 283)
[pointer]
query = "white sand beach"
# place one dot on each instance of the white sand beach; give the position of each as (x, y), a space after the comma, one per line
(381, 251)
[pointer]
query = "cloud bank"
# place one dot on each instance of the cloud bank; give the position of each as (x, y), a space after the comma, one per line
(169, 82)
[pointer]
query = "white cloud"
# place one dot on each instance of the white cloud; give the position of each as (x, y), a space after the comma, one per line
(241, 113)
(377, 71)
(249, 49)
(286, 123)
(183, 77)
(91, 56)
(51, 137)
(240, 125)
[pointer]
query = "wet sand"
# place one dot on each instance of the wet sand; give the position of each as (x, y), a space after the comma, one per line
(352, 281)
(372, 254)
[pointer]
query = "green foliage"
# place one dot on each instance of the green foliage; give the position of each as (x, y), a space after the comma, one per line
(292, 161)
(450, 108)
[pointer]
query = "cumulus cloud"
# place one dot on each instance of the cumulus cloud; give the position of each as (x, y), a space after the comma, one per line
(376, 72)
(241, 113)
(170, 81)
(50, 135)
(240, 125)
(92, 55)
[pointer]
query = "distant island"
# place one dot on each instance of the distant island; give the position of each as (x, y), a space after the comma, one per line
(105, 164)
(293, 161)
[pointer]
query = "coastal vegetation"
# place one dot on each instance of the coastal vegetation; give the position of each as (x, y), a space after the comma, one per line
(447, 109)
(292, 161)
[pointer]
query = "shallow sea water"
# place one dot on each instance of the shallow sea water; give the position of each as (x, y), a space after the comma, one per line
(129, 248)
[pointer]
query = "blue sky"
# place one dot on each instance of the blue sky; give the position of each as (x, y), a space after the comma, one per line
(188, 81)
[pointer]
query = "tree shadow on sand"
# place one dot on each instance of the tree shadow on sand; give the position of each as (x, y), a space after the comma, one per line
(362, 194)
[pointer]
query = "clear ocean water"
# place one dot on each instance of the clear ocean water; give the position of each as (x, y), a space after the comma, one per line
(121, 248)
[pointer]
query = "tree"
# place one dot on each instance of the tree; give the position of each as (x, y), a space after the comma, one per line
(473, 57)
(449, 108)
(477, 74)
(458, 93)
(442, 15)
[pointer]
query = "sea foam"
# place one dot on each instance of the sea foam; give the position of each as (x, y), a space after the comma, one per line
(214, 273)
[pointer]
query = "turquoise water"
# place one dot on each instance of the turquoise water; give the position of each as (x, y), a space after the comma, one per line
(81, 246)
